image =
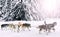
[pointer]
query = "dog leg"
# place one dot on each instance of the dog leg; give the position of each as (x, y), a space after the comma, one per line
(18, 29)
(14, 28)
(48, 31)
(28, 28)
(40, 31)
(23, 28)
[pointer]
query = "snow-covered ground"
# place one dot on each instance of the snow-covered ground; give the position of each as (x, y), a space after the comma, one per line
(34, 31)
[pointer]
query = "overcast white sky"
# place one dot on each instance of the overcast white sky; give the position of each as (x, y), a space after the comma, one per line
(49, 8)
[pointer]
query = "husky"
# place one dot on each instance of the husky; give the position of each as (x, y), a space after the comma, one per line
(10, 26)
(4, 25)
(47, 27)
(24, 25)
(51, 26)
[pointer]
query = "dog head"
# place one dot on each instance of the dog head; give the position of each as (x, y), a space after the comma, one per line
(20, 24)
(55, 23)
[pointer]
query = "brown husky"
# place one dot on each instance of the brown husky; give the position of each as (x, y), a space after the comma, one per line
(24, 25)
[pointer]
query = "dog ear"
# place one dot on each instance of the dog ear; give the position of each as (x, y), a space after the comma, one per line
(20, 22)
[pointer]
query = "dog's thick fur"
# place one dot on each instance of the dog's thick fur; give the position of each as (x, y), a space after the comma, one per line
(4, 25)
(50, 26)
(42, 27)
(47, 27)
(11, 26)
(24, 25)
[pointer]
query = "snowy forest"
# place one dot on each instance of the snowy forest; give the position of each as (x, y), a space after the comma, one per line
(28, 10)
(11, 10)
(29, 18)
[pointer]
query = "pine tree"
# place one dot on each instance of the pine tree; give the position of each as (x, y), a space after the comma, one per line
(23, 10)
